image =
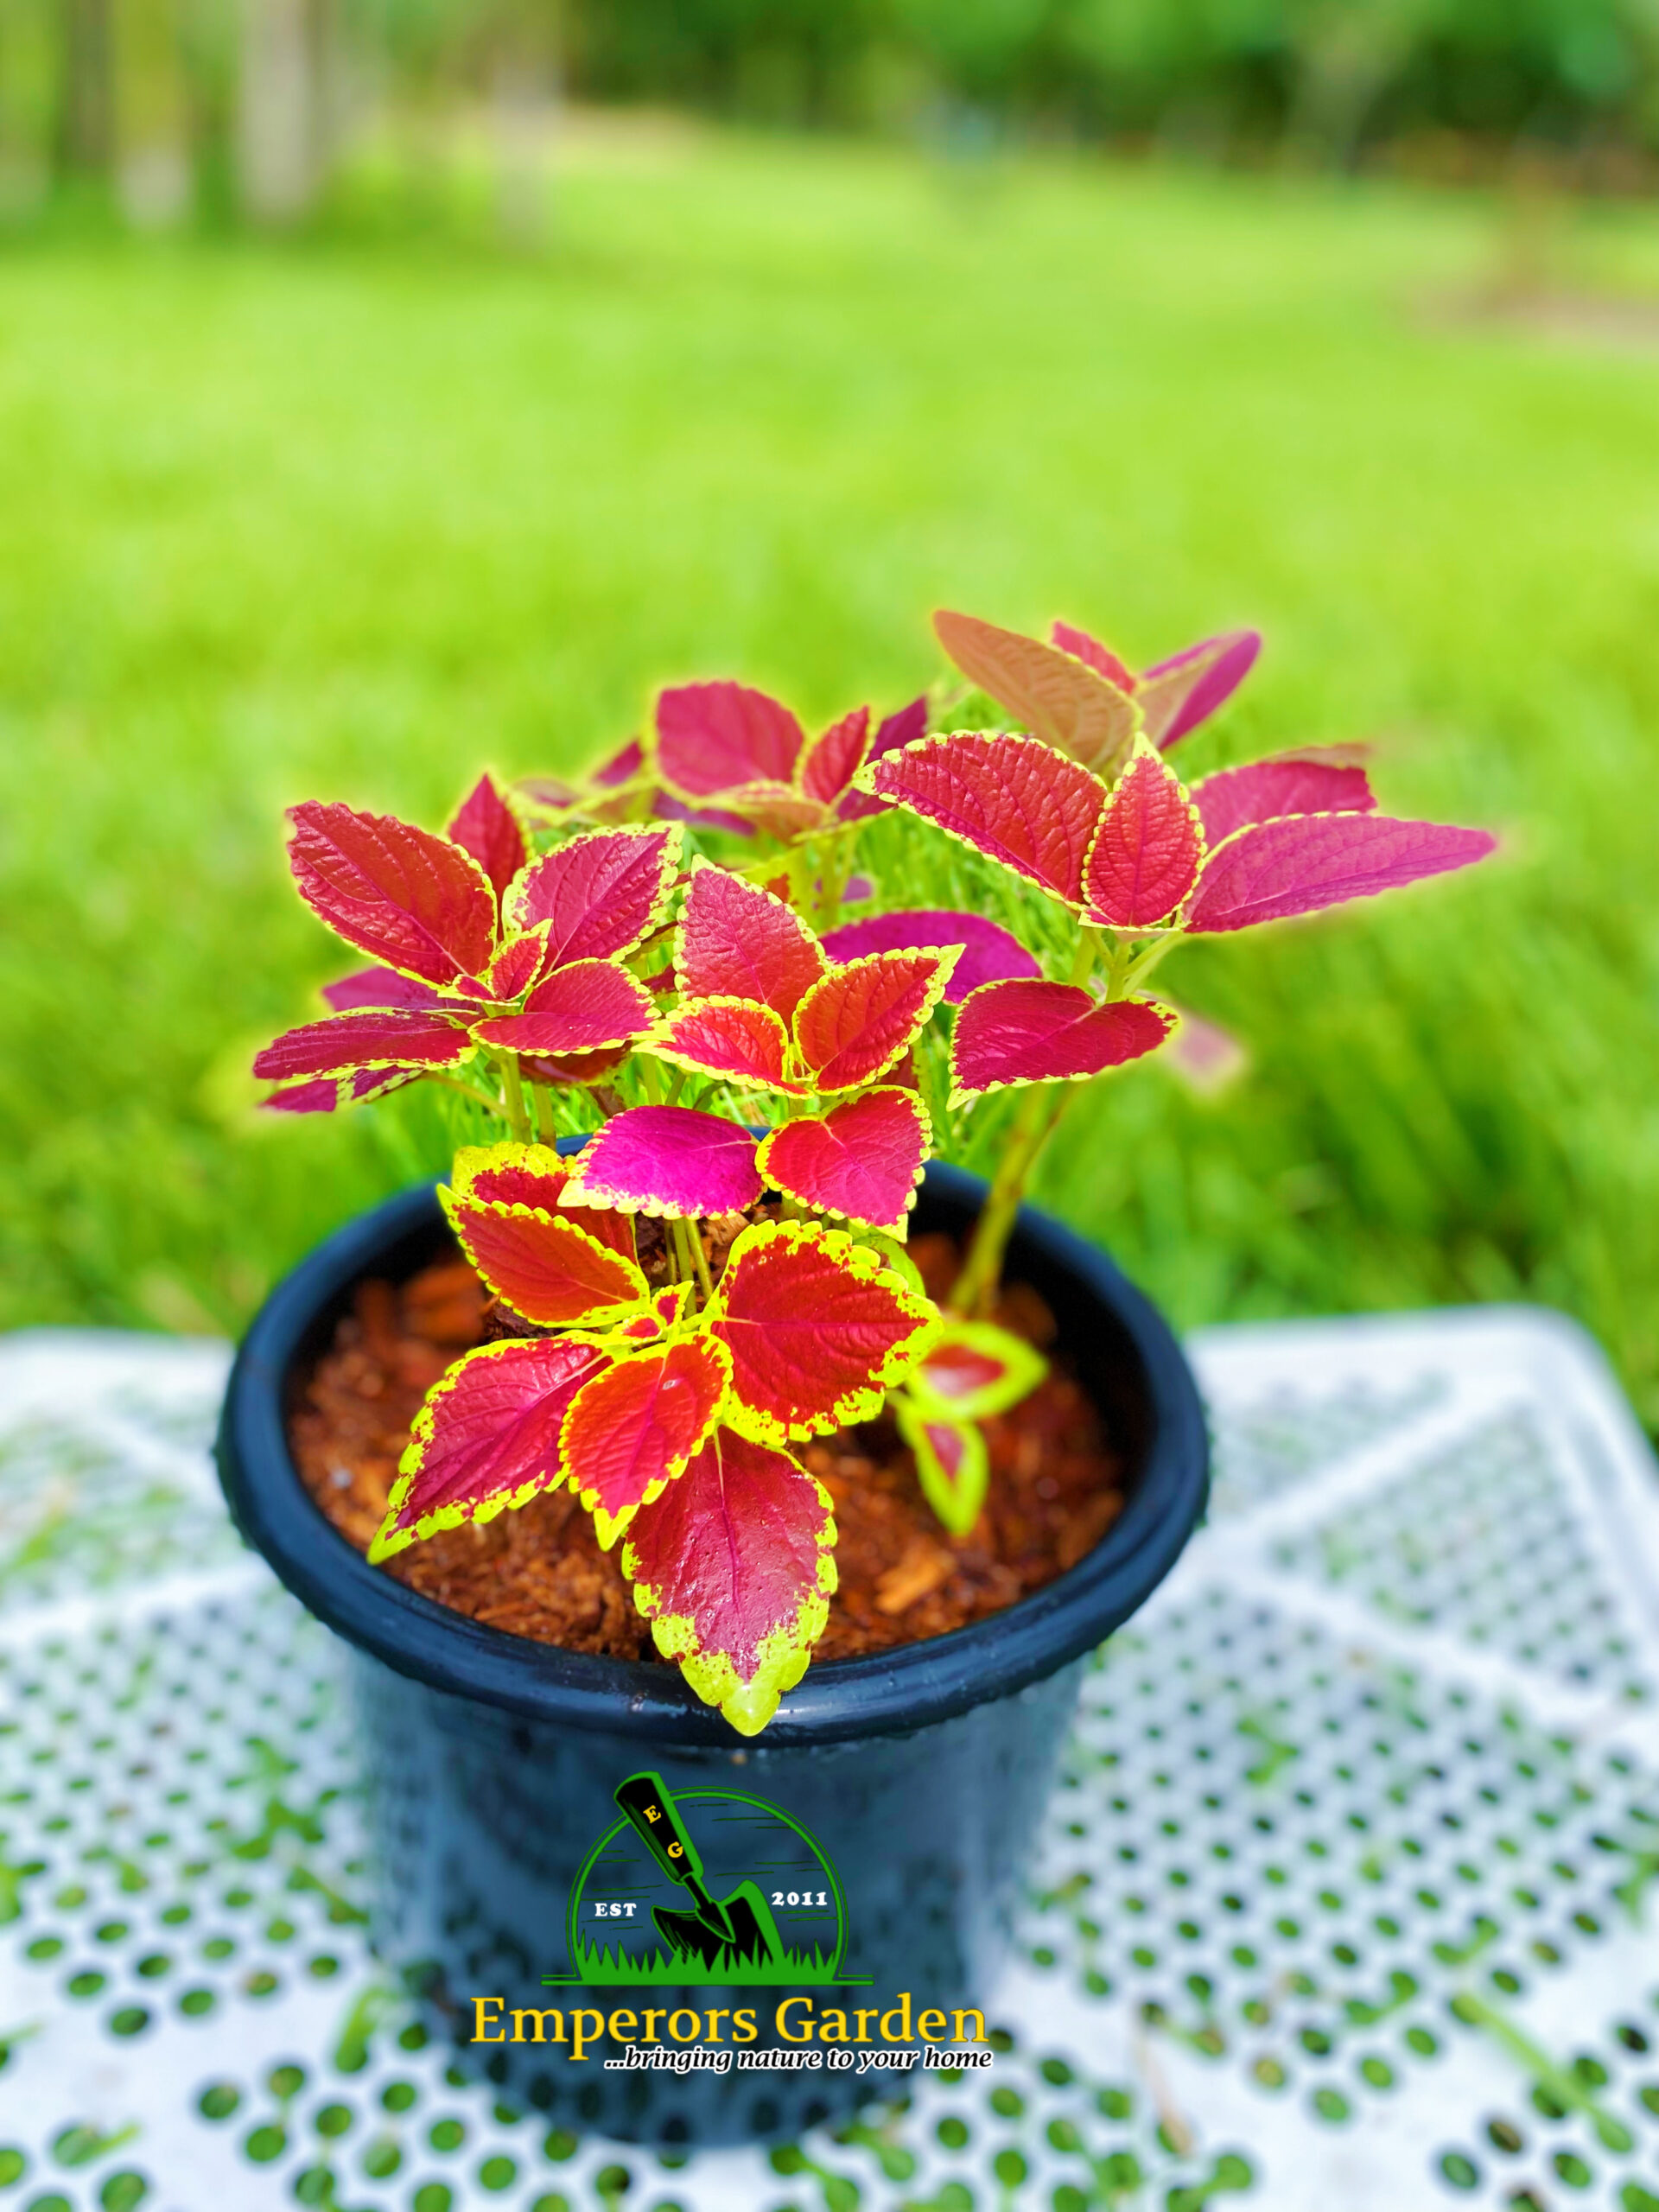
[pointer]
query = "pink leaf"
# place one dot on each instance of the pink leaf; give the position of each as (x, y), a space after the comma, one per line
(384, 986)
(487, 1437)
(533, 1175)
(1178, 694)
(397, 893)
(321, 1096)
(1015, 800)
(670, 1160)
(601, 895)
(330, 1092)
(777, 810)
(1275, 869)
(862, 1160)
(830, 762)
(726, 1037)
(1100, 658)
(855, 1024)
(892, 735)
(667, 808)
(1146, 854)
(737, 940)
(632, 1429)
(733, 1566)
(621, 767)
(364, 1040)
(1045, 1032)
(817, 1329)
(548, 1269)
(990, 953)
(1313, 782)
(586, 1007)
(487, 827)
(711, 737)
(1059, 699)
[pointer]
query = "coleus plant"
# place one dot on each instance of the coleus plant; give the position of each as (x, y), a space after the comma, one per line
(749, 1068)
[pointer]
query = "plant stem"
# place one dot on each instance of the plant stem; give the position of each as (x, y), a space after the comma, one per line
(651, 1076)
(542, 1100)
(513, 1086)
(700, 1261)
(975, 1289)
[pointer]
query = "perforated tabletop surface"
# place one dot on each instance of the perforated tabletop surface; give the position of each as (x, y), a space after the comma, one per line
(1343, 1905)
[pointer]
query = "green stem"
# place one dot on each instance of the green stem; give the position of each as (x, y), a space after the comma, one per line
(513, 1088)
(676, 1082)
(975, 1289)
(700, 1261)
(1138, 970)
(650, 1076)
(541, 1096)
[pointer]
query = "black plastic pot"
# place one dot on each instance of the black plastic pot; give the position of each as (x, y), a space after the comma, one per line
(922, 1771)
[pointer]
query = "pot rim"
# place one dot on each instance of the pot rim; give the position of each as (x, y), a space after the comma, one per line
(895, 1691)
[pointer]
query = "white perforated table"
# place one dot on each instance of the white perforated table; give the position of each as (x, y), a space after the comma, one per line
(1343, 1905)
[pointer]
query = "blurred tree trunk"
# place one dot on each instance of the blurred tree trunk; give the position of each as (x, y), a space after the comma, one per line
(282, 109)
(525, 91)
(30, 76)
(86, 120)
(150, 131)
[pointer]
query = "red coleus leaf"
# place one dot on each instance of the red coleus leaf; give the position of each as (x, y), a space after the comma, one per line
(581, 1069)
(711, 737)
(990, 953)
(976, 1369)
(726, 1036)
(862, 1160)
(897, 730)
(601, 895)
(1100, 657)
(1180, 693)
(737, 941)
(1275, 869)
(830, 762)
(534, 1175)
(400, 894)
(1045, 1032)
(487, 827)
(1176, 695)
(632, 1430)
(550, 1270)
(365, 1039)
(586, 1007)
(1058, 698)
(1146, 854)
(855, 1024)
(487, 1437)
(952, 1463)
(328, 1092)
(1012, 798)
(670, 1160)
(817, 1329)
(516, 967)
(733, 1566)
(1315, 782)
(384, 986)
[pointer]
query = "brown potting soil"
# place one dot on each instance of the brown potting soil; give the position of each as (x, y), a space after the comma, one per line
(1055, 1485)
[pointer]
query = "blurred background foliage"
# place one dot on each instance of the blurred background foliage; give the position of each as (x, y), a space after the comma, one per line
(364, 418)
(167, 108)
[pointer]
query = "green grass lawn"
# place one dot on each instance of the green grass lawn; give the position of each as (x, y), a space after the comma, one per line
(348, 518)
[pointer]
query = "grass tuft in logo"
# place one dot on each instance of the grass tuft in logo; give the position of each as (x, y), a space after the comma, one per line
(712, 1886)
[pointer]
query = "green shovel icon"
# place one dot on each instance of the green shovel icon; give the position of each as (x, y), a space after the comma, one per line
(739, 1929)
